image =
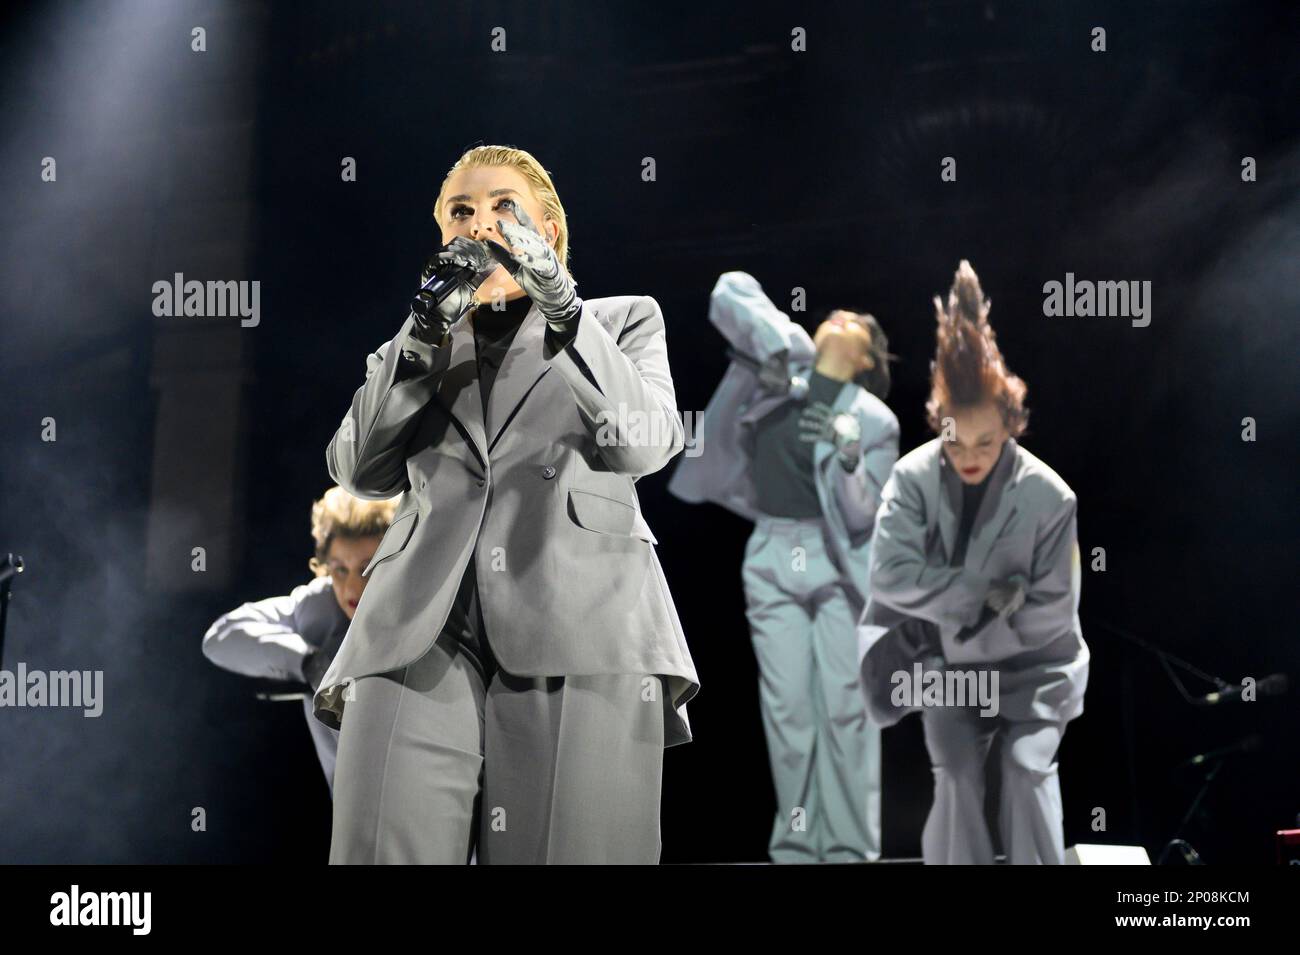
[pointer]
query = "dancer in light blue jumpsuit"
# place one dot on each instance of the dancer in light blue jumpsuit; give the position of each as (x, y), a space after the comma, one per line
(976, 569)
(798, 439)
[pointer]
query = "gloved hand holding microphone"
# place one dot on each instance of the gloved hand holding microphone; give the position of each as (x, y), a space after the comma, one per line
(447, 286)
(453, 275)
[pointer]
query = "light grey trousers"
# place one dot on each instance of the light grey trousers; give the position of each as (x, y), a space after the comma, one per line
(824, 751)
(325, 739)
(1030, 814)
(434, 764)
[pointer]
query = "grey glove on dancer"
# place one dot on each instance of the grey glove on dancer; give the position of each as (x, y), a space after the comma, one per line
(819, 422)
(537, 269)
(1005, 597)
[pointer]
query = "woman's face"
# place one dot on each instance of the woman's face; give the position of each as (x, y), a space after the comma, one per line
(346, 559)
(846, 335)
(979, 440)
(471, 207)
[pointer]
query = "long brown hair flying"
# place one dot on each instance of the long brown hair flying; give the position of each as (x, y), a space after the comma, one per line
(968, 368)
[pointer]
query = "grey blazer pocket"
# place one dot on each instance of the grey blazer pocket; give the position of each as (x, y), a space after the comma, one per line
(395, 539)
(603, 514)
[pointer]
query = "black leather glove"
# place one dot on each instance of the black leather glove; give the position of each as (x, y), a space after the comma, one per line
(433, 318)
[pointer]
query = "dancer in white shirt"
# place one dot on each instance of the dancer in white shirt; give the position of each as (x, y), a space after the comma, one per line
(295, 636)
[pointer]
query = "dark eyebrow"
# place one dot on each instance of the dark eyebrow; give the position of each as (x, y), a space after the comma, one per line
(464, 198)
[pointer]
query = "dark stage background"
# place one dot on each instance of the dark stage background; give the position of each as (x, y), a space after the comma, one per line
(816, 169)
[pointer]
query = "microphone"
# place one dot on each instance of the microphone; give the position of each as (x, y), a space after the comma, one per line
(1275, 684)
(1248, 744)
(987, 616)
(446, 278)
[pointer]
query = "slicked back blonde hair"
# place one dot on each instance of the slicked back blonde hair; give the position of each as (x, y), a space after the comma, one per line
(536, 175)
(339, 514)
(968, 368)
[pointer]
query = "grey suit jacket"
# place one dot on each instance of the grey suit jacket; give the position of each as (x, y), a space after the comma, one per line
(539, 486)
(1026, 526)
(722, 471)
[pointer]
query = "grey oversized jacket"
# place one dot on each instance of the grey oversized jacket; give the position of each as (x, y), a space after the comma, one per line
(1026, 527)
(539, 486)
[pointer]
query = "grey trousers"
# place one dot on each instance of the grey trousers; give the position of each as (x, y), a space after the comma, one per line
(325, 739)
(824, 751)
(1030, 814)
(434, 763)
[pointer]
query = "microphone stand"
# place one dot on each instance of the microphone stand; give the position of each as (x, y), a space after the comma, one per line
(1168, 662)
(10, 567)
(1190, 855)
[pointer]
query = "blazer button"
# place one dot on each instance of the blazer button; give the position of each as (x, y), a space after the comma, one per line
(481, 482)
(548, 472)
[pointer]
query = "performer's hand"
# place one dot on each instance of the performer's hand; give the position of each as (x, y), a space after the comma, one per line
(536, 268)
(433, 319)
(1005, 597)
(819, 422)
(774, 374)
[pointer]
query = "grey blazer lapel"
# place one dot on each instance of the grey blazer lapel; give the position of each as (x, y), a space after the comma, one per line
(459, 388)
(997, 510)
(760, 406)
(521, 368)
(947, 503)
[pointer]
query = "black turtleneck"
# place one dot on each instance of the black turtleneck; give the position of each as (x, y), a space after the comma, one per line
(784, 482)
(972, 495)
(493, 333)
